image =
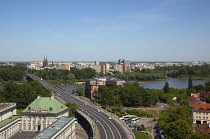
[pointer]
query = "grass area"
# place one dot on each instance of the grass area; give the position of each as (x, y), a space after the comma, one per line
(149, 129)
(8, 120)
(141, 135)
(19, 111)
(155, 106)
(155, 113)
(194, 78)
(152, 121)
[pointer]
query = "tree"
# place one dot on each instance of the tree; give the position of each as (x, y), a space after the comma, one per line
(207, 85)
(179, 129)
(166, 87)
(80, 91)
(170, 102)
(23, 95)
(72, 108)
(208, 99)
(190, 84)
(200, 135)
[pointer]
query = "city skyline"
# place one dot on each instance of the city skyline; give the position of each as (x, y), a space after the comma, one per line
(161, 30)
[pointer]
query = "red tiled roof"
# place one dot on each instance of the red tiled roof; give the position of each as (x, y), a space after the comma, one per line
(197, 102)
(194, 101)
(191, 98)
(202, 127)
(202, 106)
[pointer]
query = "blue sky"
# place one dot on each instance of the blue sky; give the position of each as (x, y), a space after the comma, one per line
(105, 30)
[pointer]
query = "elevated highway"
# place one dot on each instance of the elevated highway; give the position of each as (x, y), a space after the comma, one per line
(103, 126)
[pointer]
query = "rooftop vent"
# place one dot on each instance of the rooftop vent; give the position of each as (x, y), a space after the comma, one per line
(50, 109)
(52, 97)
(38, 97)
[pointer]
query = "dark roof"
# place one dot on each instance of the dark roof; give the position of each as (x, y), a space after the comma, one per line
(203, 127)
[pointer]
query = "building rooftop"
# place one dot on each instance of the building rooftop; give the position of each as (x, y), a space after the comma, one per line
(45, 105)
(3, 105)
(54, 128)
(202, 107)
(8, 120)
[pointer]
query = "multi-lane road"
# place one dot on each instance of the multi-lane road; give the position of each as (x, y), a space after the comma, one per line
(108, 127)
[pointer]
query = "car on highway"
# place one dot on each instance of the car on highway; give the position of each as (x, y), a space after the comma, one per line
(110, 118)
(96, 120)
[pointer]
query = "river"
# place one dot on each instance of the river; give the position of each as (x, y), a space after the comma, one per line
(173, 82)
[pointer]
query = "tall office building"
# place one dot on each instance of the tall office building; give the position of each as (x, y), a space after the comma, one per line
(126, 62)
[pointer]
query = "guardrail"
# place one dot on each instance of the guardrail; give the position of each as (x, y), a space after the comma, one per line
(111, 114)
(92, 123)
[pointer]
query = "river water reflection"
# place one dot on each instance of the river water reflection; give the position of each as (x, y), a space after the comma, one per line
(173, 82)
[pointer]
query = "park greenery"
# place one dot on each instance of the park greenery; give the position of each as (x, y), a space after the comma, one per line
(196, 72)
(72, 108)
(12, 73)
(141, 75)
(141, 135)
(177, 123)
(23, 94)
(159, 73)
(57, 76)
(129, 95)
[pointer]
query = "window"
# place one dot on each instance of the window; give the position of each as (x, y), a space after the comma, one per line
(206, 113)
(207, 117)
(196, 116)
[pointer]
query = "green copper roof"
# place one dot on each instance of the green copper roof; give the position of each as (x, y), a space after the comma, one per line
(49, 104)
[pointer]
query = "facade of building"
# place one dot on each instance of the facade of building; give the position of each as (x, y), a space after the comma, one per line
(63, 128)
(97, 68)
(103, 69)
(126, 62)
(63, 66)
(92, 84)
(96, 63)
(41, 113)
(201, 113)
(10, 123)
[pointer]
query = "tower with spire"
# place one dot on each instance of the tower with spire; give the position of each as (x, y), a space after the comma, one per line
(45, 62)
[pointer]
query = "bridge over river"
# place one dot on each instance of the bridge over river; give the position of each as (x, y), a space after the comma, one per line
(102, 125)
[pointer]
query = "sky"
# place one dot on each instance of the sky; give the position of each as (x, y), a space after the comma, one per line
(105, 30)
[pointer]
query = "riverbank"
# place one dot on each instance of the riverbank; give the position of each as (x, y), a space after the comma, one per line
(195, 78)
(148, 81)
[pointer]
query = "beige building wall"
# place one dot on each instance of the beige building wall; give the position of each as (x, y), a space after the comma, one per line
(201, 116)
(37, 122)
(10, 129)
